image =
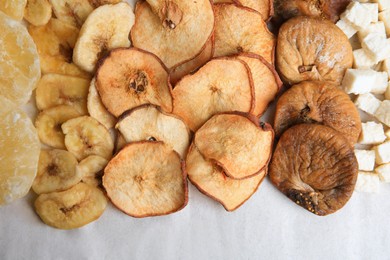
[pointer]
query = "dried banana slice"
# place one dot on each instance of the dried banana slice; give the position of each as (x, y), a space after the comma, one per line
(85, 136)
(13, 8)
(56, 171)
(19, 152)
(73, 208)
(91, 170)
(37, 12)
(19, 63)
(56, 89)
(48, 124)
(55, 42)
(106, 28)
(96, 108)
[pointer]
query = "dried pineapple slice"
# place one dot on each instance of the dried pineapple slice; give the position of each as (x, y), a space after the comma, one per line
(19, 63)
(19, 152)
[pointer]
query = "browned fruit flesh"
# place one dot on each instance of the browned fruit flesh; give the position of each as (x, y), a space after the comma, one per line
(319, 103)
(315, 167)
(312, 49)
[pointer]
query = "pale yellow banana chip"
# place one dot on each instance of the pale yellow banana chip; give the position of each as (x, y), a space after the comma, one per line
(13, 8)
(96, 108)
(56, 171)
(19, 152)
(49, 123)
(85, 136)
(37, 12)
(56, 89)
(91, 170)
(19, 62)
(106, 28)
(55, 42)
(73, 208)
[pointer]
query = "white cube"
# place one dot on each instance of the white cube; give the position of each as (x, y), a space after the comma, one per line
(387, 93)
(372, 133)
(376, 46)
(381, 83)
(367, 182)
(366, 159)
(347, 28)
(359, 16)
(383, 4)
(359, 81)
(385, 18)
(383, 112)
(378, 27)
(384, 172)
(367, 103)
(373, 9)
(361, 59)
(382, 153)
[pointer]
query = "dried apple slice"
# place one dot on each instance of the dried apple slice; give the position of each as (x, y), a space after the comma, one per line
(237, 143)
(266, 80)
(320, 103)
(223, 84)
(149, 122)
(264, 7)
(129, 77)
(241, 29)
(180, 71)
(312, 49)
(176, 31)
(314, 166)
(120, 142)
(211, 180)
(146, 179)
(73, 208)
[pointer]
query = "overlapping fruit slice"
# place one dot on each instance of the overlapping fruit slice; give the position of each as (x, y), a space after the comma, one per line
(240, 29)
(38, 12)
(13, 8)
(85, 136)
(223, 84)
(174, 30)
(212, 181)
(264, 7)
(314, 166)
(149, 122)
(19, 64)
(55, 42)
(72, 208)
(91, 170)
(131, 77)
(266, 80)
(106, 28)
(237, 143)
(320, 103)
(56, 89)
(146, 179)
(56, 171)
(19, 152)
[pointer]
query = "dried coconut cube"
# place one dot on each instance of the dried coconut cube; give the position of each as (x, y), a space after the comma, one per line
(373, 9)
(347, 28)
(361, 60)
(383, 112)
(383, 172)
(367, 182)
(381, 83)
(366, 159)
(385, 18)
(376, 46)
(383, 4)
(359, 81)
(356, 14)
(382, 153)
(387, 93)
(386, 66)
(378, 27)
(367, 103)
(372, 133)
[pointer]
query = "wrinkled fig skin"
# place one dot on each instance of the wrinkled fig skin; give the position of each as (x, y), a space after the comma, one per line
(315, 167)
(326, 9)
(318, 102)
(312, 49)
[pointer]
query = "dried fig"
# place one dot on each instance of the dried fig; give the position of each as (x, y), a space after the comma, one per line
(314, 166)
(312, 49)
(327, 9)
(321, 103)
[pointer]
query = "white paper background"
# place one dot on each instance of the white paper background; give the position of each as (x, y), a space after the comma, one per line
(268, 226)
